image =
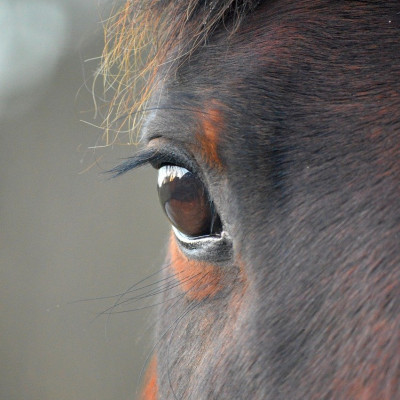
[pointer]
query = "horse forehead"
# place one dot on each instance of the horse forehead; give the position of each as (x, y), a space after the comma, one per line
(222, 81)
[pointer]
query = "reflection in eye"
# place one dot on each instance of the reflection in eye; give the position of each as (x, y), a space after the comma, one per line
(186, 203)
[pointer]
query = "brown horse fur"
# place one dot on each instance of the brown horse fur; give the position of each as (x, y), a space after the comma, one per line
(288, 112)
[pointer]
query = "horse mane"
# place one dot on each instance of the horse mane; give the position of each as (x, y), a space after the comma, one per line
(145, 36)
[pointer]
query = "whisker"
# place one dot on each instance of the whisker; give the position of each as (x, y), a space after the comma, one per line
(154, 292)
(133, 289)
(144, 307)
(127, 291)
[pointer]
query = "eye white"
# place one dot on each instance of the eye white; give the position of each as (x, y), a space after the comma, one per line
(168, 173)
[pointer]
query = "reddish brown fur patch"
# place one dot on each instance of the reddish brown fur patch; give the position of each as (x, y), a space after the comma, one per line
(150, 389)
(211, 124)
(243, 270)
(198, 279)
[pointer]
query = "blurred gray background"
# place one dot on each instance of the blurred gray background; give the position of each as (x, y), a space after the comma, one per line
(68, 233)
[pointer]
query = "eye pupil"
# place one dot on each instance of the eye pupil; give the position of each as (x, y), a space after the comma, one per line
(186, 203)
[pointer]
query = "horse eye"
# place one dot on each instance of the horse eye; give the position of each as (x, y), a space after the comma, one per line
(186, 203)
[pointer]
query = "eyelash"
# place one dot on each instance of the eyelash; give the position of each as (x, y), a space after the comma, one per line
(157, 158)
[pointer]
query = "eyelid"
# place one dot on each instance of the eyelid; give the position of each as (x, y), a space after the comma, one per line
(172, 154)
(157, 153)
(142, 157)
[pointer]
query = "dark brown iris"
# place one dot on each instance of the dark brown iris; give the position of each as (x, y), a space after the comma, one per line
(186, 203)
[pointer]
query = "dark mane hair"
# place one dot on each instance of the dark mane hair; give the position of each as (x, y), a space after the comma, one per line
(145, 35)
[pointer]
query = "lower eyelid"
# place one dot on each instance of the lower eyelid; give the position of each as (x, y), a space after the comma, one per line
(215, 249)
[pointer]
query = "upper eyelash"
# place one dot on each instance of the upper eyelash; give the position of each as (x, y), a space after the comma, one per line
(154, 156)
(142, 157)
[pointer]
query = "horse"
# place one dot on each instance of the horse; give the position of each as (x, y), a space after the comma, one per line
(275, 129)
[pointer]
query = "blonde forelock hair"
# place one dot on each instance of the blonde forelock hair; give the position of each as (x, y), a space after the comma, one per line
(142, 37)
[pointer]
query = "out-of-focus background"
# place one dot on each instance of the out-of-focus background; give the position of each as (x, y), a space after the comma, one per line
(68, 232)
